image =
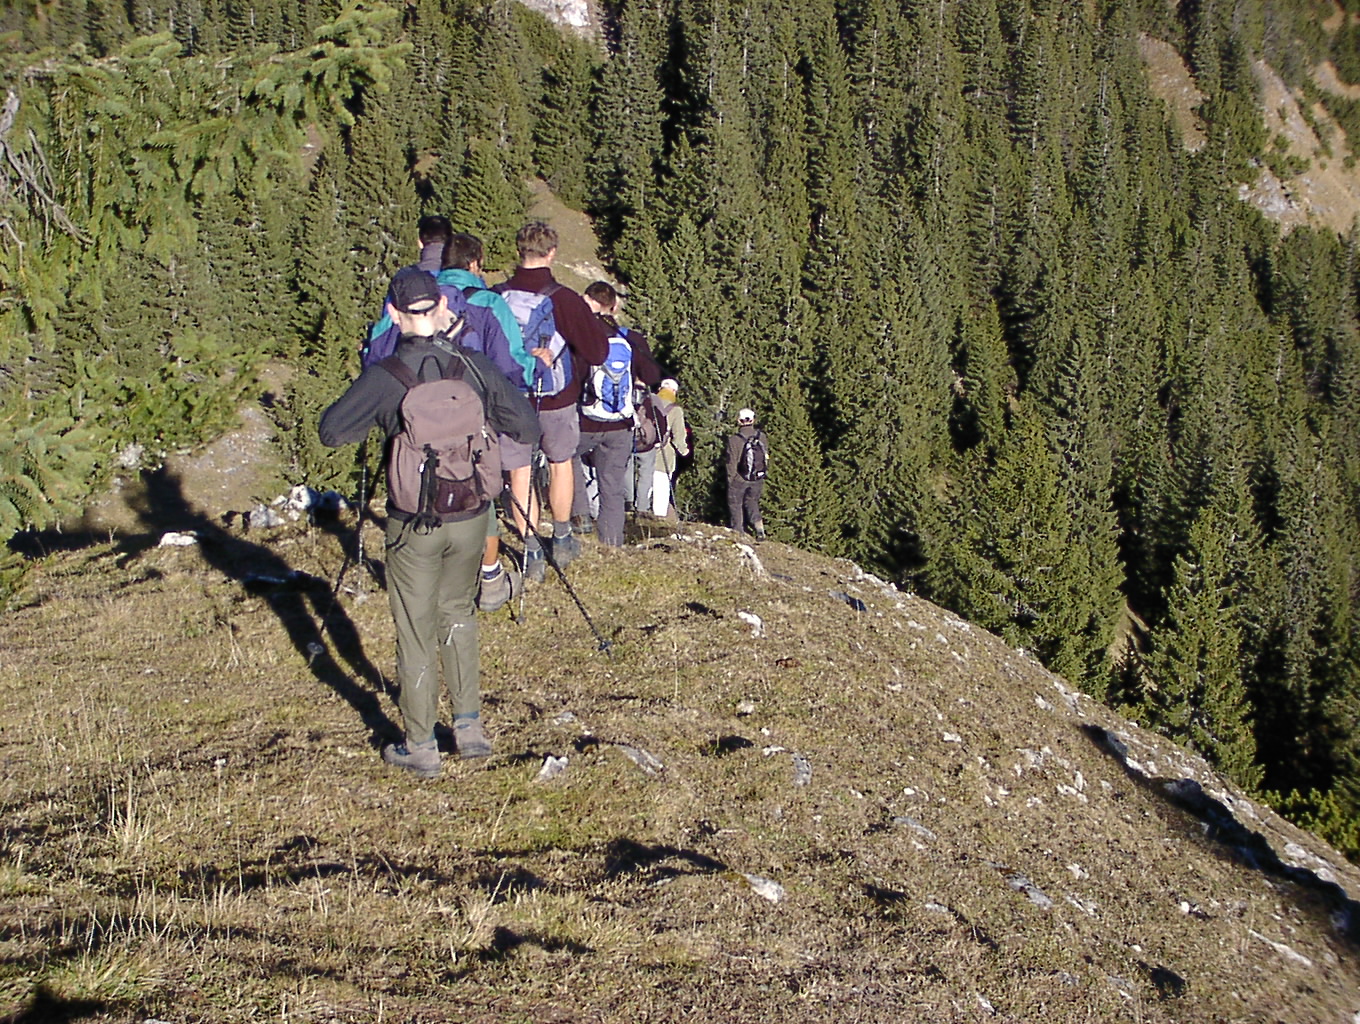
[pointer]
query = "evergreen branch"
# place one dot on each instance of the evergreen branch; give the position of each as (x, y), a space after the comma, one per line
(37, 180)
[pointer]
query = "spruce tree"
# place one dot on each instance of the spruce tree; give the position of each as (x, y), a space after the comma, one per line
(1195, 663)
(378, 203)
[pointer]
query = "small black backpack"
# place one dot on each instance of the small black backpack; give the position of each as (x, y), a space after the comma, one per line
(752, 464)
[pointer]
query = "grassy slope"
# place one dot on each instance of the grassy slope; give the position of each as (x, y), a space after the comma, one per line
(198, 826)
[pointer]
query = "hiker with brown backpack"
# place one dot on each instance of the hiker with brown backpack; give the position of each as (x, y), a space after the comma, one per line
(441, 409)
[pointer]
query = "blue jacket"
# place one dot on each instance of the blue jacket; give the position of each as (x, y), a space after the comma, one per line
(503, 342)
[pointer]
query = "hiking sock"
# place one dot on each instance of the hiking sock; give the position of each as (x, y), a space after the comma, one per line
(532, 543)
(490, 572)
(561, 529)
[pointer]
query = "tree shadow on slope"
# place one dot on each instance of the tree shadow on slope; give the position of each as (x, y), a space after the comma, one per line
(306, 605)
(1221, 830)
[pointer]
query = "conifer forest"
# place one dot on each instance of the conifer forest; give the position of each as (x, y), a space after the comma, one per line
(1017, 346)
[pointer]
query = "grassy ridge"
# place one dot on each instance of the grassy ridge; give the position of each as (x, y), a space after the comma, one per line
(856, 815)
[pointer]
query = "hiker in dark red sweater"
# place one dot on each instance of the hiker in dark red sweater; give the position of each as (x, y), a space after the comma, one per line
(588, 340)
(609, 443)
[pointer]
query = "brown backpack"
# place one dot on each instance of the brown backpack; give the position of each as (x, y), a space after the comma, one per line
(445, 464)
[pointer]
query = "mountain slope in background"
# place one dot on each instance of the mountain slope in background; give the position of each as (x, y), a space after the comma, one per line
(1326, 192)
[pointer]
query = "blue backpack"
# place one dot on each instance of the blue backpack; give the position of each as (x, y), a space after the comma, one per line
(608, 392)
(533, 311)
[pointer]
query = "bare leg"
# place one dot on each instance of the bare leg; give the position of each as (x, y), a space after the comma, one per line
(524, 498)
(561, 490)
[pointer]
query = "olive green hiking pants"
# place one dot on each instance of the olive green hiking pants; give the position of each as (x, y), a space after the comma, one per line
(432, 587)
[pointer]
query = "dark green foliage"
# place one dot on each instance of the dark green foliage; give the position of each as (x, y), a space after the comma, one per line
(135, 323)
(562, 130)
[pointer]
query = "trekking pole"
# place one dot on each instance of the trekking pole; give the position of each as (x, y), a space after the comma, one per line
(363, 500)
(358, 556)
(602, 644)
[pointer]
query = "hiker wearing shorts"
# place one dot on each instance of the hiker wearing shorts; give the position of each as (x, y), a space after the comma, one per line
(504, 346)
(588, 340)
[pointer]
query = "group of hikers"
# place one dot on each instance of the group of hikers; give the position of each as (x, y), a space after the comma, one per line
(476, 389)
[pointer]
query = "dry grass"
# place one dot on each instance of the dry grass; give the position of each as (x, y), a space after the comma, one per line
(198, 826)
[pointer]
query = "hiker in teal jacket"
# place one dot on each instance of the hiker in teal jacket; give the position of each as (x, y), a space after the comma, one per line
(463, 270)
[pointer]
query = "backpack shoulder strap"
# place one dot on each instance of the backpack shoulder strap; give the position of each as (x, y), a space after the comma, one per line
(464, 363)
(452, 370)
(398, 369)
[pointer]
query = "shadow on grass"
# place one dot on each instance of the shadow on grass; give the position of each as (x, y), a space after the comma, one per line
(1221, 831)
(625, 856)
(203, 880)
(46, 1008)
(504, 941)
(306, 605)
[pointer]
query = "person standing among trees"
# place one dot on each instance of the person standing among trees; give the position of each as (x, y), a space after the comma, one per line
(433, 554)
(748, 458)
(609, 441)
(675, 447)
(579, 331)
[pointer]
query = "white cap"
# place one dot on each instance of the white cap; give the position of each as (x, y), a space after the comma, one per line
(746, 416)
(668, 384)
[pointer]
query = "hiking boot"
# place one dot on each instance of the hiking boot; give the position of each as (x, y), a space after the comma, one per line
(422, 760)
(582, 525)
(470, 738)
(565, 550)
(495, 591)
(760, 531)
(535, 566)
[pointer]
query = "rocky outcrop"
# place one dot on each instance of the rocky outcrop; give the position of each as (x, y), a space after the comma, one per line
(576, 15)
